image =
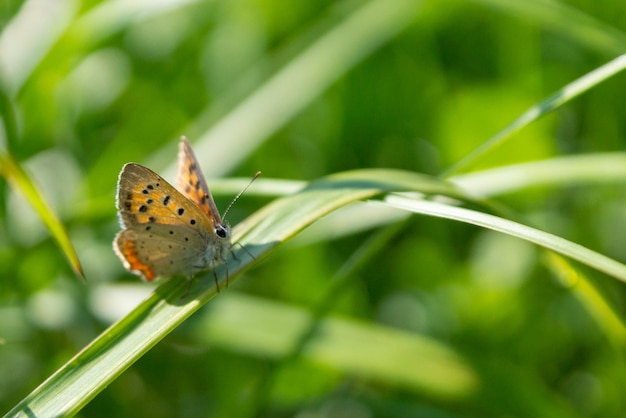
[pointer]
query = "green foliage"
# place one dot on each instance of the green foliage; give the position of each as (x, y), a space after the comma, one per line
(367, 310)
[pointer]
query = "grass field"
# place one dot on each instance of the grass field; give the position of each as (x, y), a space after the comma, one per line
(438, 231)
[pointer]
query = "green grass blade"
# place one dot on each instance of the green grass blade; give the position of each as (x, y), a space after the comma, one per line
(586, 169)
(577, 169)
(79, 380)
(544, 239)
(561, 171)
(594, 302)
(566, 94)
(21, 182)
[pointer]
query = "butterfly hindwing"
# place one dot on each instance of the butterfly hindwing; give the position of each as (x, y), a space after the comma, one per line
(163, 250)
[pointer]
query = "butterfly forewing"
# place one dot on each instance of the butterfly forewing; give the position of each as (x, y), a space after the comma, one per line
(192, 184)
(145, 197)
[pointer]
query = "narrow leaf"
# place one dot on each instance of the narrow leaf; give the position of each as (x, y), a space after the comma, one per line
(544, 239)
(566, 94)
(594, 302)
(21, 182)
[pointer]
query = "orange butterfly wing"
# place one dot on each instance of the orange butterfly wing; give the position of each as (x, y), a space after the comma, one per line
(192, 184)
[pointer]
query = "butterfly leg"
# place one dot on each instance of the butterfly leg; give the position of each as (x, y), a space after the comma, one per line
(243, 247)
(225, 261)
(217, 285)
(226, 264)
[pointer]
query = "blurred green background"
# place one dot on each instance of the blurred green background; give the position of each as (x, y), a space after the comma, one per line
(326, 86)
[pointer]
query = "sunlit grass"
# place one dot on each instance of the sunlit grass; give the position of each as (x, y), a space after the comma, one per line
(352, 305)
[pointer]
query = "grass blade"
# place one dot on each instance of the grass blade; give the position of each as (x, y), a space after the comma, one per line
(544, 239)
(21, 182)
(606, 167)
(566, 94)
(594, 302)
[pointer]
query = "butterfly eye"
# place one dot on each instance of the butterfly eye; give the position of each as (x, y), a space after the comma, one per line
(221, 231)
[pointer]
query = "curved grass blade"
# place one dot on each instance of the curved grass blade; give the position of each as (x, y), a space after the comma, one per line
(21, 182)
(541, 238)
(569, 170)
(595, 303)
(560, 171)
(91, 370)
(566, 94)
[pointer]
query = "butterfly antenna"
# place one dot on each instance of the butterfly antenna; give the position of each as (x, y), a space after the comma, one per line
(258, 173)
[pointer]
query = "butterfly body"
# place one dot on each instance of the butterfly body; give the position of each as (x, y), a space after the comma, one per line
(168, 232)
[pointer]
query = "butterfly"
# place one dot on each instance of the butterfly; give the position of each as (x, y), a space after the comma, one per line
(166, 231)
